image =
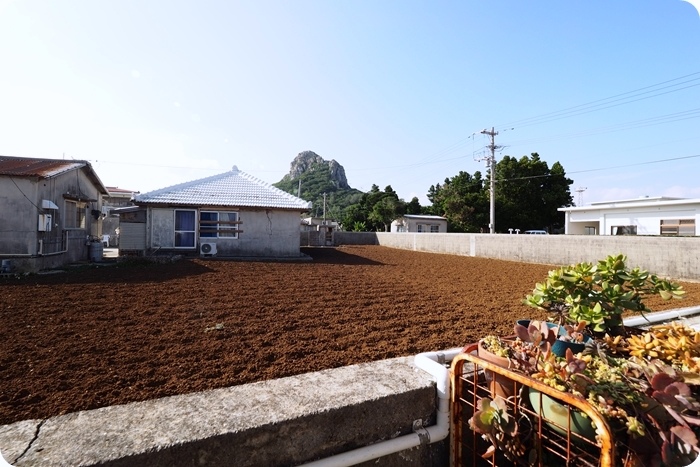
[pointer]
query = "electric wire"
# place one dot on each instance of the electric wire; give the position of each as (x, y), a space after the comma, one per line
(624, 166)
(599, 102)
(581, 109)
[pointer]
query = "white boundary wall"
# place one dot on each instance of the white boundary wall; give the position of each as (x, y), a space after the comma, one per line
(674, 257)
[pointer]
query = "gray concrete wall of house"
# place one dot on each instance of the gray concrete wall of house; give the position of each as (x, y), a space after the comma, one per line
(674, 257)
(270, 233)
(267, 233)
(32, 244)
(282, 422)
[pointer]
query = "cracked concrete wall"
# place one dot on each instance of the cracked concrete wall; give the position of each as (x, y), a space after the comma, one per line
(287, 421)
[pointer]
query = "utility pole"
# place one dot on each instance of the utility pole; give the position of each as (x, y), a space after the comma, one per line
(491, 163)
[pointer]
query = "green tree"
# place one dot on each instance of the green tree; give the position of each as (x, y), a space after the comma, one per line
(386, 210)
(529, 193)
(413, 206)
(376, 209)
(462, 200)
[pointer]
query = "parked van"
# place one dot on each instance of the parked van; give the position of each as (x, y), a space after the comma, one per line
(536, 232)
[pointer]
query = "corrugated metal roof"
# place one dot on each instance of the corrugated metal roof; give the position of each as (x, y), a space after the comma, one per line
(234, 188)
(30, 167)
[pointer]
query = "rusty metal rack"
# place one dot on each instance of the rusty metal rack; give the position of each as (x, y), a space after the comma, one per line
(549, 443)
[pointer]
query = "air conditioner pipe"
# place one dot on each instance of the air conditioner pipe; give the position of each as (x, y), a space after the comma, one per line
(435, 364)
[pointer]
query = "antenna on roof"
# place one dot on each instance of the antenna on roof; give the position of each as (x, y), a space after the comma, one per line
(580, 191)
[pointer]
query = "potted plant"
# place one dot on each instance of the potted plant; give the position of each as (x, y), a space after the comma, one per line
(645, 384)
(646, 387)
(599, 294)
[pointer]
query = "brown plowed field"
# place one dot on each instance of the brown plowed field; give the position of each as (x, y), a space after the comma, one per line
(91, 337)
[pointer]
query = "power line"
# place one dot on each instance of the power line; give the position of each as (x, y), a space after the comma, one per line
(593, 106)
(596, 105)
(586, 107)
(651, 121)
(601, 168)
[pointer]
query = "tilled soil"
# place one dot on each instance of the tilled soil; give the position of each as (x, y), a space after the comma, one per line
(95, 337)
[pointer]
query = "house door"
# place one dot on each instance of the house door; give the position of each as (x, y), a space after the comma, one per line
(184, 228)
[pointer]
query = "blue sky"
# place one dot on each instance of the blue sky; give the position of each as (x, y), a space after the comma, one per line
(155, 93)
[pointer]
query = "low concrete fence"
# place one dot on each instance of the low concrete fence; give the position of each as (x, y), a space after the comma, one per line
(674, 257)
(283, 422)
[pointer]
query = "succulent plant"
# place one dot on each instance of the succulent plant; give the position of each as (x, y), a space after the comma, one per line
(495, 424)
(646, 384)
(537, 332)
(599, 294)
(674, 343)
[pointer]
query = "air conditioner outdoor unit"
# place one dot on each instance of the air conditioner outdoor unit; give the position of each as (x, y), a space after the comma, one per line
(207, 249)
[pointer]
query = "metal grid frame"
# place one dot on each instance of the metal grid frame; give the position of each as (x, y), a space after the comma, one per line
(553, 444)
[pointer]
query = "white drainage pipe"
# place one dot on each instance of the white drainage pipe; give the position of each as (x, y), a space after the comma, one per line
(433, 363)
(661, 316)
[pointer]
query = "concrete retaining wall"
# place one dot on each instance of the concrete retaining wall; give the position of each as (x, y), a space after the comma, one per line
(674, 257)
(355, 238)
(283, 422)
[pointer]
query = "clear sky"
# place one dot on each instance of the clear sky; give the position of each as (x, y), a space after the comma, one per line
(160, 92)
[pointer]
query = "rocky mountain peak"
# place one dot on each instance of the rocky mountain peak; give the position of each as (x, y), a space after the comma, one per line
(305, 162)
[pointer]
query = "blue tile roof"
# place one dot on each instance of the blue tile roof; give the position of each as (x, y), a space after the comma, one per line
(233, 189)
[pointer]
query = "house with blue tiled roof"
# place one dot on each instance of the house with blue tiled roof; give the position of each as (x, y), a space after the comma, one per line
(232, 214)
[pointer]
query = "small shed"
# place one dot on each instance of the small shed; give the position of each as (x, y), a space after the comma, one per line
(50, 210)
(641, 216)
(420, 224)
(232, 214)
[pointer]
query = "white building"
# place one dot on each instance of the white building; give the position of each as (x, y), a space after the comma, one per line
(420, 224)
(641, 216)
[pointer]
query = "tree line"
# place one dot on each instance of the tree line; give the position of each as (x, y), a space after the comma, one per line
(528, 194)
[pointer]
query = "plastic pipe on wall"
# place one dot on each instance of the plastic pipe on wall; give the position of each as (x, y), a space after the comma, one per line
(434, 364)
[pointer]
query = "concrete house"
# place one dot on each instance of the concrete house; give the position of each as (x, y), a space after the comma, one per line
(49, 210)
(420, 224)
(642, 216)
(231, 214)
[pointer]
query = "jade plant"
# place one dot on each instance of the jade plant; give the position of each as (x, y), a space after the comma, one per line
(599, 293)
